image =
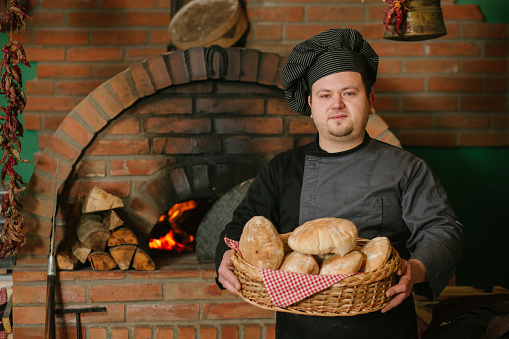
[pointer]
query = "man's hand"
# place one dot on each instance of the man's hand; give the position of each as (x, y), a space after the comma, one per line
(410, 272)
(226, 276)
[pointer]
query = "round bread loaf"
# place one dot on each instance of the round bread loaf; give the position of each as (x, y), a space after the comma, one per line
(260, 244)
(376, 253)
(325, 235)
(349, 264)
(299, 263)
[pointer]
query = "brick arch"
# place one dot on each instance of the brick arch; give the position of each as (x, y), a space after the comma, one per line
(122, 93)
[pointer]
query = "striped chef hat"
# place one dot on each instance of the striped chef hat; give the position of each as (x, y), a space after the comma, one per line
(332, 51)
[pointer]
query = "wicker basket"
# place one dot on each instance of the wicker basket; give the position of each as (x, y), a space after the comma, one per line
(358, 294)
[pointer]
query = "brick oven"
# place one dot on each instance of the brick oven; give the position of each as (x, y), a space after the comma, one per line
(193, 124)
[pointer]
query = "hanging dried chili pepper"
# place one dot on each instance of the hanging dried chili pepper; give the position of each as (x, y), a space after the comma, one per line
(11, 83)
(15, 17)
(394, 16)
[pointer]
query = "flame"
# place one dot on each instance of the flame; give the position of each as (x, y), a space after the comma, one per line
(169, 242)
(180, 208)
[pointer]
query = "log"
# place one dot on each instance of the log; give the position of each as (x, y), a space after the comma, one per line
(78, 205)
(123, 254)
(80, 251)
(102, 261)
(122, 236)
(92, 232)
(7, 317)
(98, 200)
(112, 220)
(142, 261)
(66, 261)
(65, 257)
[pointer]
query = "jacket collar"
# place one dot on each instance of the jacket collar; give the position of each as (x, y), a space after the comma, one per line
(318, 151)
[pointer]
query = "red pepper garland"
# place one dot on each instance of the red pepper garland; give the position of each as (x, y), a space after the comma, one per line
(394, 15)
(11, 236)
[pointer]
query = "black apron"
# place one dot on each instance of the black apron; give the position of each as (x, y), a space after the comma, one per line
(324, 188)
(398, 323)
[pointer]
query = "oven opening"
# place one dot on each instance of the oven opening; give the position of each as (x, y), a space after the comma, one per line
(175, 231)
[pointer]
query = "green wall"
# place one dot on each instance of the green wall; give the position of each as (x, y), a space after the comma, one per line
(477, 182)
(30, 140)
(493, 10)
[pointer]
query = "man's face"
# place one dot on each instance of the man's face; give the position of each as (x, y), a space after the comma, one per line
(340, 109)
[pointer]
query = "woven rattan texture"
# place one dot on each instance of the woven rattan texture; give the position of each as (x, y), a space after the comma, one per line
(359, 294)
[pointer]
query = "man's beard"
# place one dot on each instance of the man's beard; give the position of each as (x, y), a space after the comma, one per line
(340, 130)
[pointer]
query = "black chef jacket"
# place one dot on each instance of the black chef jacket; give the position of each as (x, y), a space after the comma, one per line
(384, 191)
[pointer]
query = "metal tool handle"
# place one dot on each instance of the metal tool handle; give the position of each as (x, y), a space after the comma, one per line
(49, 327)
(49, 330)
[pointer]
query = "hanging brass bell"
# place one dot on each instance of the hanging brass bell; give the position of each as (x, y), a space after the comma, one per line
(421, 20)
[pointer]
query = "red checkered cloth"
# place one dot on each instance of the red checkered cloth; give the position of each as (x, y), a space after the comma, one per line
(3, 300)
(287, 288)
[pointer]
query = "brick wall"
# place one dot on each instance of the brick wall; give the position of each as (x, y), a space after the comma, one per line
(179, 303)
(450, 91)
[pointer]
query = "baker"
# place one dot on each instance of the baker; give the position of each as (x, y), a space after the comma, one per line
(344, 173)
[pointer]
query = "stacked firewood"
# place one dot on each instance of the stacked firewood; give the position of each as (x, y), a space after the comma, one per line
(96, 234)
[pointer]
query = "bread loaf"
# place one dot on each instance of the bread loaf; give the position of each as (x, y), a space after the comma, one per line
(325, 235)
(376, 253)
(299, 263)
(260, 244)
(349, 264)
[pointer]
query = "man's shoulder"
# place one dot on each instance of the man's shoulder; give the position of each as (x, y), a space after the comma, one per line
(381, 145)
(389, 150)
